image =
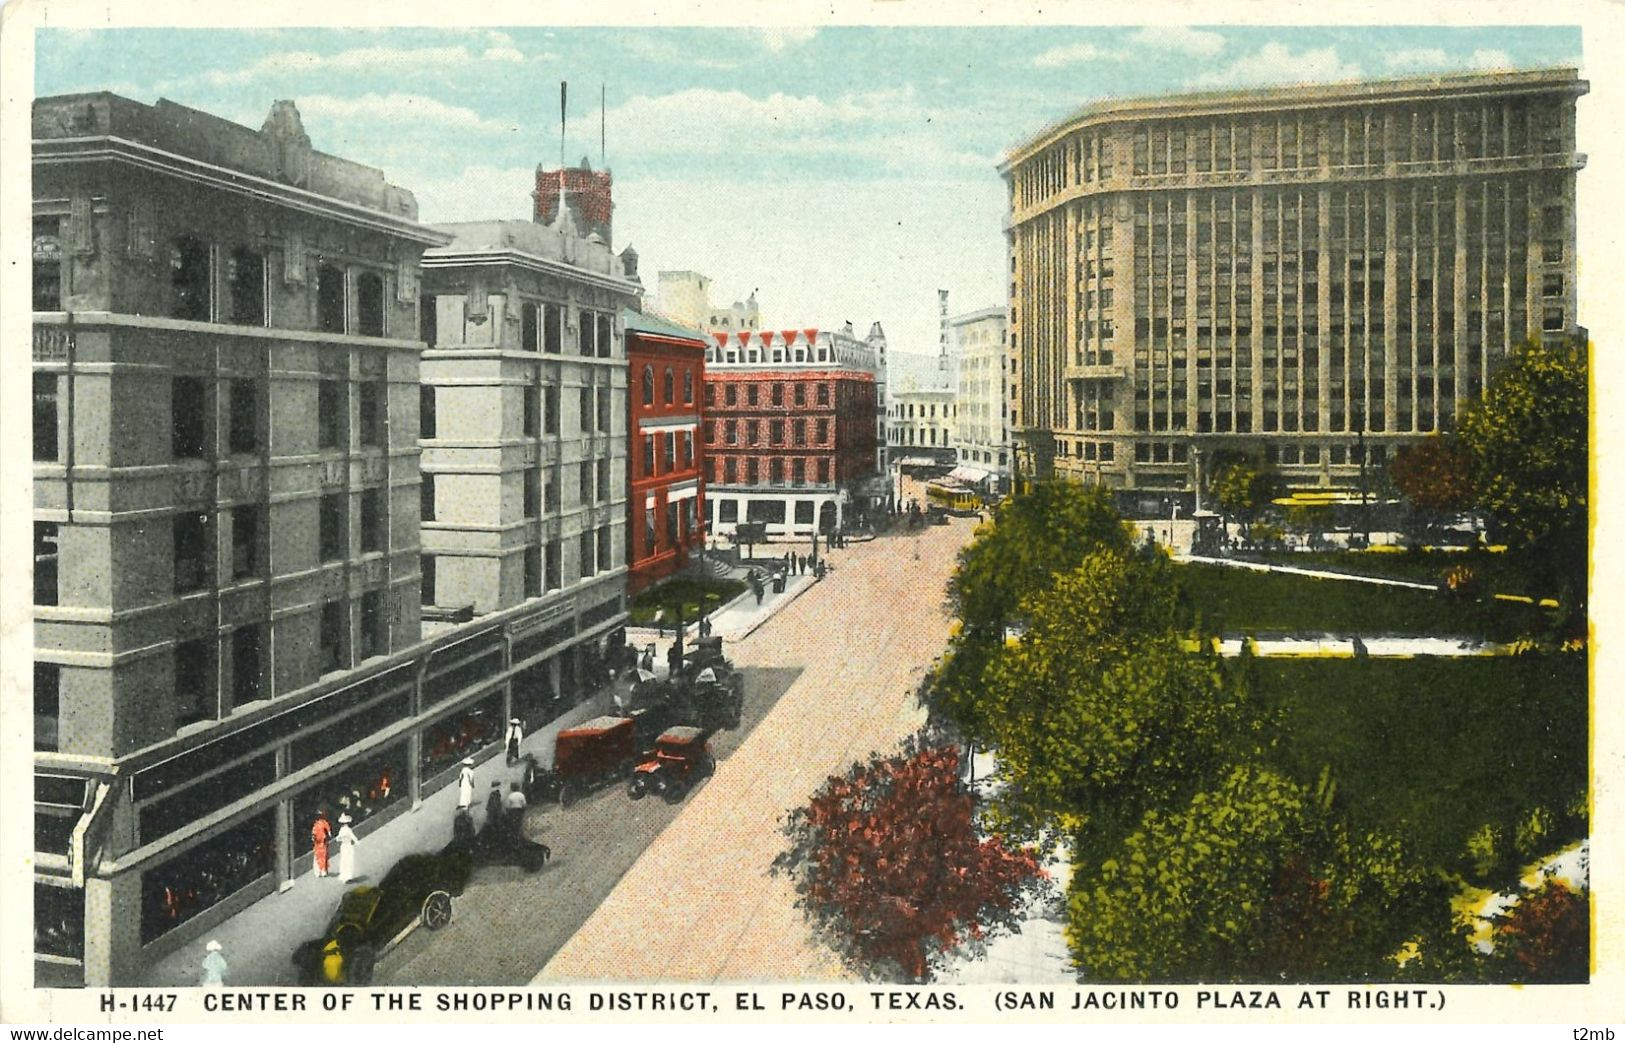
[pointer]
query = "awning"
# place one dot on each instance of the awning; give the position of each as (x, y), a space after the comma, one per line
(969, 475)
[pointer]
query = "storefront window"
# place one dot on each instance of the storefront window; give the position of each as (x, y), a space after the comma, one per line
(162, 817)
(359, 790)
(348, 730)
(462, 734)
(59, 921)
(534, 700)
(206, 875)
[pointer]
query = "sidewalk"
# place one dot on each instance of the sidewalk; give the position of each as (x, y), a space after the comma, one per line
(735, 621)
(259, 941)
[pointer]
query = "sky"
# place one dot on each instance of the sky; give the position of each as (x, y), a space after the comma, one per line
(842, 173)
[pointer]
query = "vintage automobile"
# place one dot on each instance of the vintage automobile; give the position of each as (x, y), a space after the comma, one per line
(592, 753)
(682, 756)
(501, 842)
(418, 888)
(707, 692)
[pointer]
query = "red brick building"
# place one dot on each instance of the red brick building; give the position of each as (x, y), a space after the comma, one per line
(666, 461)
(788, 444)
(587, 193)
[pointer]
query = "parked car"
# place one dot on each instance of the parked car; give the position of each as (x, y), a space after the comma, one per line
(589, 755)
(418, 888)
(682, 757)
(501, 842)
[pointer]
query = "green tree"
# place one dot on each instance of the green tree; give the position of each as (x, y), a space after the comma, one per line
(1527, 442)
(1035, 535)
(1098, 709)
(1252, 879)
(1435, 475)
(1243, 488)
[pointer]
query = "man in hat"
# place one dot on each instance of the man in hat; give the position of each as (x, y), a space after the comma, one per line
(465, 784)
(347, 841)
(214, 967)
(515, 734)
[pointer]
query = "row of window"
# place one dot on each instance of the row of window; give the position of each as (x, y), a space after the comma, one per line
(669, 385)
(662, 452)
(776, 393)
(728, 470)
(680, 522)
(541, 326)
(543, 564)
(752, 431)
(926, 410)
(905, 435)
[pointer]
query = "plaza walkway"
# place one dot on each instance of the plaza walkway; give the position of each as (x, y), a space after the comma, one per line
(700, 905)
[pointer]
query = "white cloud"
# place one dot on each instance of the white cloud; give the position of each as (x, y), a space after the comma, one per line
(476, 193)
(1416, 58)
(329, 115)
(1276, 63)
(1068, 54)
(500, 48)
(706, 119)
(1488, 58)
(778, 38)
(1180, 39)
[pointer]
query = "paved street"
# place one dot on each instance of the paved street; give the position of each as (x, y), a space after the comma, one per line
(699, 904)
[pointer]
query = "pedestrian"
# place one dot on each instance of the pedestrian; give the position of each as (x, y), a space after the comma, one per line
(515, 734)
(493, 806)
(214, 967)
(647, 663)
(320, 831)
(515, 806)
(347, 838)
(705, 626)
(674, 660)
(465, 784)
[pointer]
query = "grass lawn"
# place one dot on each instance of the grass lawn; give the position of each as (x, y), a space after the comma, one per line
(1233, 600)
(1501, 573)
(687, 593)
(1433, 749)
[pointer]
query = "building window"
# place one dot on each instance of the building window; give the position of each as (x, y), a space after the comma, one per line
(370, 413)
(801, 394)
(532, 406)
(603, 409)
(670, 387)
(710, 394)
(374, 624)
(47, 552)
(550, 494)
(606, 547)
(671, 451)
(426, 415)
(798, 429)
(688, 386)
(426, 498)
(688, 449)
(197, 683)
(555, 568)
(550, 418)
(47, 264)
(586, 547)
(648, 532)
(191, 551)
(728, 512)
(369, 301)
(603, 479)
(730, 470)
(730, 395)
(775, 435)
(372, 520)
(47, 706)
(584, 410)
(46, 424)
(329, 299)
(247, 675)
(335, 634)
(822, 432)
(527, 327)
(775, 471)
(648, 385)
(188, 418)
(245, 542)
(333, 526)
(751, 391)
(648, 455)
(243, 400)
(429, 320)
(189, 280)
(778, 394)
(730, 429)
(823, 394)
(585, 472)
(245, 282)
(533, 572)
(552, 328)
(533, 494)
(671, 525)
(798, 471)
(606, 336)
(587, 334)
(330, 405)
(752, 470)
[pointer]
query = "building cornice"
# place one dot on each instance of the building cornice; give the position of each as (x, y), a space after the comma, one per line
(442, 259)
(110, 148)
(1423, 90)
(82, 320)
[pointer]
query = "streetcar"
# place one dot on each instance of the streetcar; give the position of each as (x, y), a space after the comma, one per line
(953, 497)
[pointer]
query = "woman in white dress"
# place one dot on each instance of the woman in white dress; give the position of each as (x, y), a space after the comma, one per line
(347, 839)
(465, 784)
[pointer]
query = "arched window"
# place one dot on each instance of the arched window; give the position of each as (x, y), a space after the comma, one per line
(648, 385)
(688, 386)
(671, 388)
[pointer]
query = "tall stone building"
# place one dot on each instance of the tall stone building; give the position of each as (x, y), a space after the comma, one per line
(1302, 273)
(225, 394)
(981, 406)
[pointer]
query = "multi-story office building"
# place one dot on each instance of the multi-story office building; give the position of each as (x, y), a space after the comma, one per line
(789, 428)
(980, 407)
(225, 379)
(666, 370)
(685, 297)
(921, 423)
(1299, 273)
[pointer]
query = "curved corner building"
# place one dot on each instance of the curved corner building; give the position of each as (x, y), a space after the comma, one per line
(1304, 272)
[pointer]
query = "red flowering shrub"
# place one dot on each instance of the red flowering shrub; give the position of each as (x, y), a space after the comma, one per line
(1546, 937)
(892, 871)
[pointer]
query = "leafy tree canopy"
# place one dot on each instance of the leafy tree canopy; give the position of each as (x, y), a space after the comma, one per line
(1434, 475)
(1252, 879)
(1243, 487)
(892, 871)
